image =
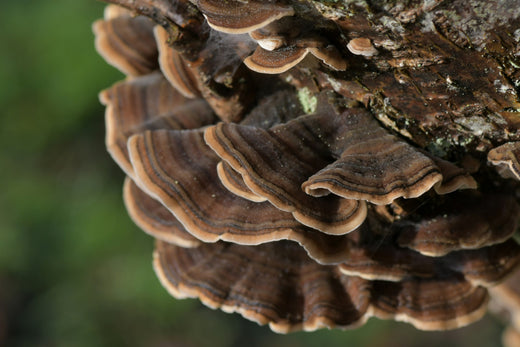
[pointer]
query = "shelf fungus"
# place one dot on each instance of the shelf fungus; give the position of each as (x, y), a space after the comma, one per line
(305, 195)
(284, 44)
(240, 17)
(507, 158)
(362, 46)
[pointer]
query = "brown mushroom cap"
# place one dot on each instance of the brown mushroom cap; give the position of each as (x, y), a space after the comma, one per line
(127, 43)
(174, 67)
(430, 304)
(234, 182)
(154, 218)
(268, 42)
(289, 41)
(188, 185)
(487, 266)
(147, 102)
(362, 46)
(274, 109)
(308, 296)
(278, 33)
(276, 61)
(249, 280)
(370, 163)
(274, 163)
(284, 58)
(330, 56)
(271, 183)
(165, 169)
(463, 221)
(453, 177)
(240, 17)
(376, 257)
(114, 11)
(508, 156)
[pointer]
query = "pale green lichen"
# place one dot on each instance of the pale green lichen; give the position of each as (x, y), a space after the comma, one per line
(440, 147)
(307, 100)
(335, 9)
(465, 141)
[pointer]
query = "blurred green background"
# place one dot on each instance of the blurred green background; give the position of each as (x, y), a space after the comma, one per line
(74, 270)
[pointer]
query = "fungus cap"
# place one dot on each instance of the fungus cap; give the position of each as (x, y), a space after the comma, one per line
(240, 17)
(507, 156)
(362, 46)
(127, 43)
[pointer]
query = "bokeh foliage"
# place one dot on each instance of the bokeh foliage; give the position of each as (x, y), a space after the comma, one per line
(74, 270)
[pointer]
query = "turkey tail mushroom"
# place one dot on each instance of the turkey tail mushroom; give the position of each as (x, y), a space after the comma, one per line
(276, 61)
(305, 195)
(174, 67)
(234, 182)
(507, 158)
(151, 216)
(275, 170)
(309, 296)
(146, 103)
(286, 57)
(239, 17)
(465, 221)
(127, 42)
(192, 191)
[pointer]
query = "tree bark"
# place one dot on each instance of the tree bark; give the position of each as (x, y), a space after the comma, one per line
(446, 76)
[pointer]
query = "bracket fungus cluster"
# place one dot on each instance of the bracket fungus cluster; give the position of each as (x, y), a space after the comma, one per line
(376, 177)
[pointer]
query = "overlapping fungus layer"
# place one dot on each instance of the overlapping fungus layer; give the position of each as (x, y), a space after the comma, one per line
(296, 189)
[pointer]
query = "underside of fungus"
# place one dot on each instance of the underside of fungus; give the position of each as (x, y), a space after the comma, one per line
(377, 176)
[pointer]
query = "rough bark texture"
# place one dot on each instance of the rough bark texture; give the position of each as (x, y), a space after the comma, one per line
(447, 75)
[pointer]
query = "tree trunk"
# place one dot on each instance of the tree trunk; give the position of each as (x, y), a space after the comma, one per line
(446, 76)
